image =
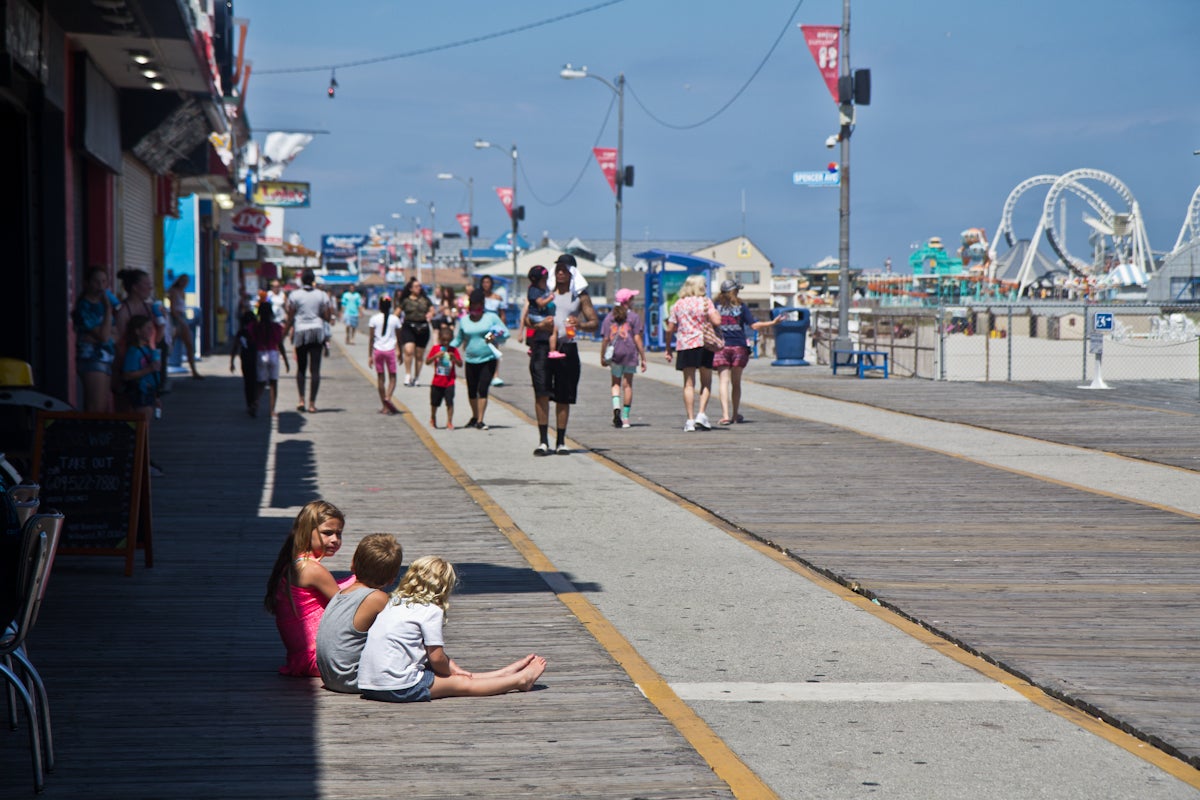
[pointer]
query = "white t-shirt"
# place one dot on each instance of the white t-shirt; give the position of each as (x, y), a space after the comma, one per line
(278, 305)
(395, 656)
(385, 331)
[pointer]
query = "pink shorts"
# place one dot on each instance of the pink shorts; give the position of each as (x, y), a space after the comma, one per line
(731, 357)
(385, 361)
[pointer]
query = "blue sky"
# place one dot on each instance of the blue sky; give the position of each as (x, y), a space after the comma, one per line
(969, 99)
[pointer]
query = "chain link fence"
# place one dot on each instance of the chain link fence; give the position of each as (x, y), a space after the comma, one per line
(1022, 342)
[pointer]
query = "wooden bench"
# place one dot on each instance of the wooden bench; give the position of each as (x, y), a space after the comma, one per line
(863, 361)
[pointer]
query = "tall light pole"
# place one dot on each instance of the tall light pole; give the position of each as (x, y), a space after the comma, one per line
(846, 114)
(396, 232)
(470, 182)
(412, 201)
(570, 73)
(517, 211)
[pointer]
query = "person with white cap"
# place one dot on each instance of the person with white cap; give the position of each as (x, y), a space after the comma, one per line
(730, 360)
(622, 352)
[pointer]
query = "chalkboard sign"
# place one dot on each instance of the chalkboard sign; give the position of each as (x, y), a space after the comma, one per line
(95, 469)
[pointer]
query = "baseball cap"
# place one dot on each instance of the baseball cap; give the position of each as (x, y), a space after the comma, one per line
(536, 273)
(625, 295)
(729, 286)
(565, 258)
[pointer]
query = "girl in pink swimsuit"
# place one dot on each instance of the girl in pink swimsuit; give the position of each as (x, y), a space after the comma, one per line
(300, 586)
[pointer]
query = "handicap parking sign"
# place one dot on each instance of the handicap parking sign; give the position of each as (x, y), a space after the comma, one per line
(1103, 321)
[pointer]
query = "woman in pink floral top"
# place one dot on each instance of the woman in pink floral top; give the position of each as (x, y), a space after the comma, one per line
(689, 316)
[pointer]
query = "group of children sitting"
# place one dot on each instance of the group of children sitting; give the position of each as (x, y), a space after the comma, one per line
(359, 638)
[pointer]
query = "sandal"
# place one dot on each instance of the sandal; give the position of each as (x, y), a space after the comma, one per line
(739, 419)
(312, 409)
(725, 422)
(300, 408)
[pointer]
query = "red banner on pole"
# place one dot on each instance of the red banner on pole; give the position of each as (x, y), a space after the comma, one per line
(408, 249)
(824, 42)
(464, 221)
(427, 235)
(505, 193)
(606, 157)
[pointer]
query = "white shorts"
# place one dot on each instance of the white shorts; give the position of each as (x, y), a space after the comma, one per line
(268, 366)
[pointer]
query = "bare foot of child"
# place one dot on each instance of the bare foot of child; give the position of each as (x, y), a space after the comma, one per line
(517, 666)
(531, 673)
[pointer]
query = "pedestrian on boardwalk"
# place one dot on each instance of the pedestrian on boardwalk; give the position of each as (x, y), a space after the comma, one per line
(444, 359)
(558, 378)
(417, 310)
(308, 312)
(243, 346)
(140, 371)
(384, 326)
(95, 340)
(139, 300)
(266, 336)
(278, 299)
(622, 352)
(300, 586)
(477, 334)
(690, 315)
(494, 301)
(405, 661)
(351, 303)
(731, 360)
(342, 631)
(181, 330)
(445, 314)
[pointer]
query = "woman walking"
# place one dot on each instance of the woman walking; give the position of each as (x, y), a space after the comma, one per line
(622, 352)
(417, 309)
(308, 311)
(731, 359)
(691, 314)
(177, 295)
(477, 334)
(493, 301)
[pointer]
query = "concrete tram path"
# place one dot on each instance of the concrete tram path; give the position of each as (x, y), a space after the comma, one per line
(818, 693)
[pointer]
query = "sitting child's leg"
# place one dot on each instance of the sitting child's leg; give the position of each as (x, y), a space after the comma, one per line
(519, 675)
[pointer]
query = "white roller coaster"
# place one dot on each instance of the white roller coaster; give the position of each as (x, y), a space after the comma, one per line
(1125, 229)
(1190, 230)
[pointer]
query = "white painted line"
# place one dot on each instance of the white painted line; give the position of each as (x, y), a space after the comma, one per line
(848, 692)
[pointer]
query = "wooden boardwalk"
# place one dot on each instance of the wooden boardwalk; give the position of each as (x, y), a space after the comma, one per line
(1096, 600)
(164, 685)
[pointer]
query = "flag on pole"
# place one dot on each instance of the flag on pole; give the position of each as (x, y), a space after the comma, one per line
(505, 193)
(606, 157)
(427, 235)
(464, 221)
(824, 42)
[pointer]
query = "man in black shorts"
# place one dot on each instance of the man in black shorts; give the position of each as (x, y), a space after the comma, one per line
(556, 376)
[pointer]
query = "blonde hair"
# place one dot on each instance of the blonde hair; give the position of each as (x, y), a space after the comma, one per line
(377, 560)
(694, 286)
(429, 581)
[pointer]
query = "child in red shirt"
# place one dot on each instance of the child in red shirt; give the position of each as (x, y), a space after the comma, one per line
(443, 357)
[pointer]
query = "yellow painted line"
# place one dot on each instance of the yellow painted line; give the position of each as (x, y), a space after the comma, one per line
(723, 761)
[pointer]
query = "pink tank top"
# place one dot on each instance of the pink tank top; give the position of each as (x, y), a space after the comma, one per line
(297, 618)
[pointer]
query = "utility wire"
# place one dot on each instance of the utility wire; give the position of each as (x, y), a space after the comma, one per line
(787, 26)
(436, 48)
(587, 163)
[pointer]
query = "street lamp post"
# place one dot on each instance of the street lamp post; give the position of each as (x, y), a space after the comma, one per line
(396, 232)
(846, 112)
(570, 73)
(483, 144)
(412, 201)
(470, 182)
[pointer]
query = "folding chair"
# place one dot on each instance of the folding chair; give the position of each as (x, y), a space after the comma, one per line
(40, 537)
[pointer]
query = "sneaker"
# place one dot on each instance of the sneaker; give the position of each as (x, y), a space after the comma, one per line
(689, 426)
(497, 381)
(702, 422)
(625, 424)
(542, 449)
(482, 426)
(408, 380)
(563, 450)
(471, 422)
(616, 417)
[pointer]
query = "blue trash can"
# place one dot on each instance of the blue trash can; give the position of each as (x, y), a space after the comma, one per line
(790, 337)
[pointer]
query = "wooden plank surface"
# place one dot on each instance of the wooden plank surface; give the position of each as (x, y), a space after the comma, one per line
(1094, 599)
(164, 685)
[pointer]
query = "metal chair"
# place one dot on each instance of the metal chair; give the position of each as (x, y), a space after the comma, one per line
(40, 537)
(25, 497)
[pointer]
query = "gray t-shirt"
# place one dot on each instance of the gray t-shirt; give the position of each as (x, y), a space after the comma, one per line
(339, 643)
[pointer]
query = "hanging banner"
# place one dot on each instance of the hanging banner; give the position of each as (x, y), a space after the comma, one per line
(408, 250)
(464, 222)
(606, 157)
(282, 194)
(505, 193)
(824, 42)
(427, 235)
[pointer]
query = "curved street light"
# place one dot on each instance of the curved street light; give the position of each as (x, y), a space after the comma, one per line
(570, 73)
(483, 144)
